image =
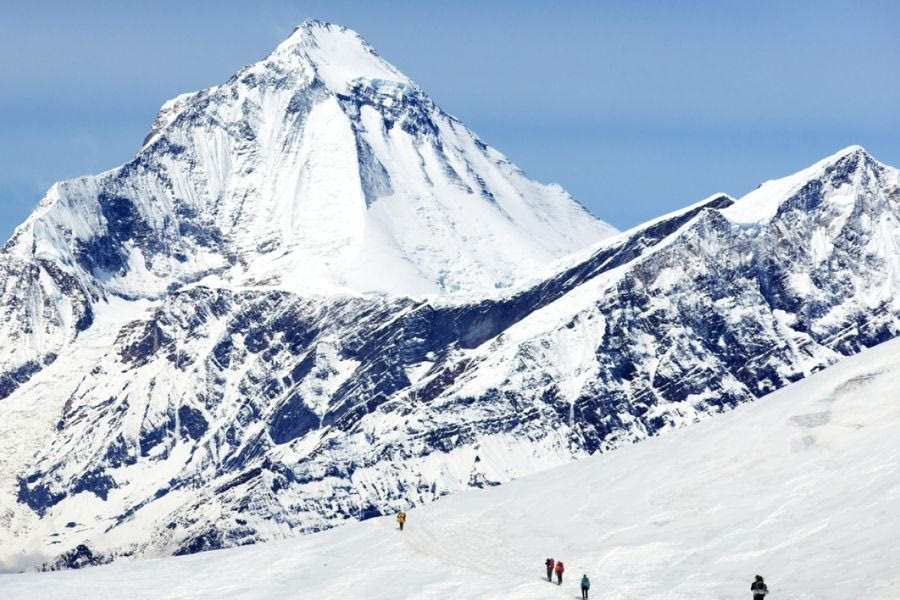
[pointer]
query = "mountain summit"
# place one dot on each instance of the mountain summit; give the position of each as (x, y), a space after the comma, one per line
(319, 168)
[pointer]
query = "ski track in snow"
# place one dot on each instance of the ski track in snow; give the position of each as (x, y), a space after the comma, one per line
(802, 486)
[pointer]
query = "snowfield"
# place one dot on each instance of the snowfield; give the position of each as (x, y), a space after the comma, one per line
(802, 486)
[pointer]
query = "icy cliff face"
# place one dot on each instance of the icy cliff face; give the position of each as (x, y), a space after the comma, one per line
(193, 358)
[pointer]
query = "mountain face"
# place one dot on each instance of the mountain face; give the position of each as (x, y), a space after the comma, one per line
(320, 169)
(304, 302)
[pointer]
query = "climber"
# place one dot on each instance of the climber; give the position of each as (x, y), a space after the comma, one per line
(401, 518)
(559, 571)
(585, 586)
(550, 564)
(759, 588)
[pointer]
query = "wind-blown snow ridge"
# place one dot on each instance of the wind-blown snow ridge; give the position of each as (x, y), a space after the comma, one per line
(339, 55)
(802, 486)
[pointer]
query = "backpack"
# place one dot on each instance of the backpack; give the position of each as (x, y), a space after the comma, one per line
(585, 583)
(559, 567)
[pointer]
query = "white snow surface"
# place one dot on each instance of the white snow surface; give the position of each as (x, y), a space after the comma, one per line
(802, 486)
(340, 55)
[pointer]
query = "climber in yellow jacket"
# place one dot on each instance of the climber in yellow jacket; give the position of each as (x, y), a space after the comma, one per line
(401, 518)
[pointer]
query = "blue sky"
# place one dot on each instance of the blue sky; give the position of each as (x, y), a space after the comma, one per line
(635, 107)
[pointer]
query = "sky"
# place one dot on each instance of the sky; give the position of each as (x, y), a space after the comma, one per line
(637, 108)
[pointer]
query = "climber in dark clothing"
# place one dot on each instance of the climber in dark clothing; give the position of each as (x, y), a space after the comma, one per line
(550, 564)
(759, 588)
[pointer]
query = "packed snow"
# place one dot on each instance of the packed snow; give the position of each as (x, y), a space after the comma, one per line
(802, 486)
(340, 55)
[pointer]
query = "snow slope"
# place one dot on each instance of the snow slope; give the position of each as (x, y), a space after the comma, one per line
(802, 486)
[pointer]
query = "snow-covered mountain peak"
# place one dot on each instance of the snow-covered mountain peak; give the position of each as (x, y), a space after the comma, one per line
(339, 55)
(175, 380)
(839, 176)
(319, 168)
